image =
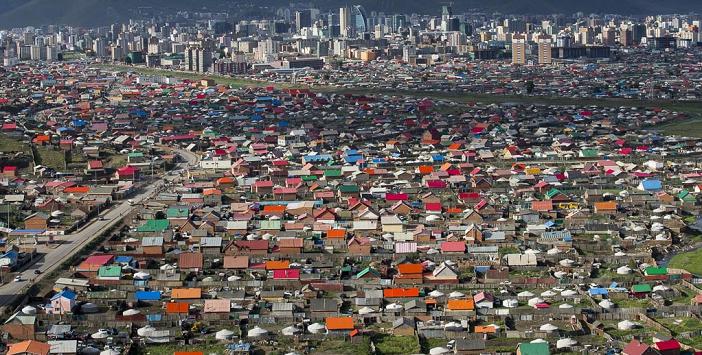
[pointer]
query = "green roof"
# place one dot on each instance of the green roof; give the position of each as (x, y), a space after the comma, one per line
(348, 188)
(110, 271)
(686, 196)
(177, 212)
(553, 192)
(589, 152)
(135, 154)
(534, 349)
(641, 288)
(154, 225)
(309, 177)
(366, 271)
(271, 225)
(332, 173)
(656, 271)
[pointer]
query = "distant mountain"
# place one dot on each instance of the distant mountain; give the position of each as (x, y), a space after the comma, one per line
(16, 13)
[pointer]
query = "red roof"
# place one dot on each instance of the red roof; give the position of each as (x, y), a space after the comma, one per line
(454, 247)
(289, 274)
(671, 344)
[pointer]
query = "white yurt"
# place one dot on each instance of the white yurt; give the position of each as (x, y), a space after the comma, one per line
(99, 335)
(566, 262)
(316, 328)
(145, 330)
(394, 307)
(565, 343)
(440, 350)
(455, 326)
(366, 310)
(109, 352)
(565, 306)
(626, 325)
(510, 303)
(224, 334)
(623, 270)
(29, 310)
(606, 304)
(436, 294)
(89, 350)
(233, 278)
(560, 274)
(290, 331)
(141, 275)
(538, 341)
(131, 312)
(548, 328)
(256, 332)
(548, 293)
(457, 294)
(534, 301)
(568, 293)
(525, 294)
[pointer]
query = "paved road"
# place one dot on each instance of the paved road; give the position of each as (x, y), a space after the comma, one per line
(72, 243)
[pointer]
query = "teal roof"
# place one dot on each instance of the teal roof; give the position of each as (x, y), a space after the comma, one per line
(110, 271)
(154, 225)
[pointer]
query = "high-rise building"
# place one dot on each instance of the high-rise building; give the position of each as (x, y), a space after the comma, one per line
(359, 19)
(345, 21)
(626, 38)
(519, 49)
(303, 18)
(198, 59)
(609, 36)
(544, 43)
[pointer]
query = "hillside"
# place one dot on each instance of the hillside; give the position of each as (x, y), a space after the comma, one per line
(15, 13)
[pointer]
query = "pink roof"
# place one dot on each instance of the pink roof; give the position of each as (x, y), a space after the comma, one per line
(436, 184)
(397, 197)
(99, 259)
(286, 274)
(263, 183)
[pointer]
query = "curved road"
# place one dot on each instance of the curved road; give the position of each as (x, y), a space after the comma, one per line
(72, 243)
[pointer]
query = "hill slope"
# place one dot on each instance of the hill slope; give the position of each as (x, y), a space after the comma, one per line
(15, 13)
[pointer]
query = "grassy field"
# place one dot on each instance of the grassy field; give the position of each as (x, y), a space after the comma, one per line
(691, 261)
(396, 345)
(184, 75)
(686, 128)
(51, 158)
(359, 346)
(11, 145)
(169, 349)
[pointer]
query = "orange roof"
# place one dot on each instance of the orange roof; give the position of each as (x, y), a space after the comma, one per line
(208, 192)
(177, 307)
(41, 138)
(29, 347)
(339, 323)
(273, 208)
(606, 205)
(181, 293)
(454, 210)
(461, 305)
(400, 292)
(542, 206)
(277, 265)
(336, 233)
(484, 329)
(430, 301)
(225, 180)
(410, 268)
(77, 189)
(426, 169)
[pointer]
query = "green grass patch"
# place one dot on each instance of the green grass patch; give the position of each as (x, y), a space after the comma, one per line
(11, 145)
(184, 75)
(396, 345)
(359, 346)
(680, 325)
(690, 261)
(52, 158)
(169, 349)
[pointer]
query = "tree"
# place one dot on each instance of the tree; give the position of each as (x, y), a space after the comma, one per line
(530, 87)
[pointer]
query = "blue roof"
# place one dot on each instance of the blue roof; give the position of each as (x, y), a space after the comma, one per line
(124, 259)
(239, 346)
(148, 295)
(29, 231)
(65, 293)
(353, 158)
(652, 184)
(598, 291)
(437, 157)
